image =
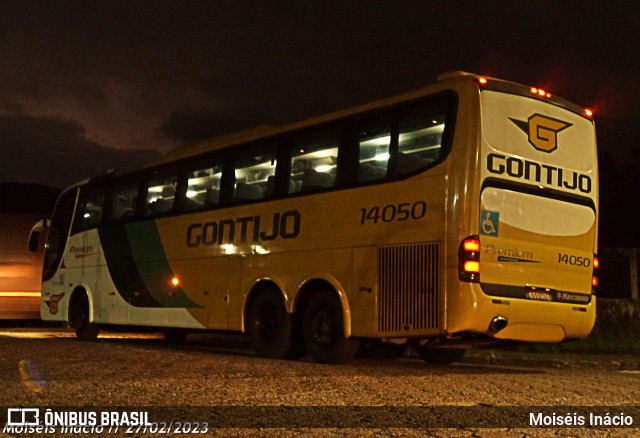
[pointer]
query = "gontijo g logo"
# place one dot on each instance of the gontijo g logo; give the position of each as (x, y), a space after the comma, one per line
(542, 131)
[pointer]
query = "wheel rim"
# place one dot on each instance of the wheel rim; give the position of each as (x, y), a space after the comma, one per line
(322, 329)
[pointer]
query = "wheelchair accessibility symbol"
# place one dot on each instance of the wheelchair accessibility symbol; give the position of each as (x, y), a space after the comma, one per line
(489, 221)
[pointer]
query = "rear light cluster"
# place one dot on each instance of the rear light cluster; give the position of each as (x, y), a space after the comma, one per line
(594, 276)
(469, 259)
(538, 92)
(469, 262)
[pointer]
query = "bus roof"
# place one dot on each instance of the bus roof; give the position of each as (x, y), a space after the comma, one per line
(265, 131)
(444, 82)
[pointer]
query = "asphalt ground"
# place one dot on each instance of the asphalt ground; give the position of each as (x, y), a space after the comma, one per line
(613, 362)
(508, 357)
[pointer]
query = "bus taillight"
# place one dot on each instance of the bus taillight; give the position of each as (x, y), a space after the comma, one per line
(469, 259)
(540, 92)
(594, 276)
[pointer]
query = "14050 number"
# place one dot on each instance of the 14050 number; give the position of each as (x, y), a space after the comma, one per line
(574, 260)
(391, 213)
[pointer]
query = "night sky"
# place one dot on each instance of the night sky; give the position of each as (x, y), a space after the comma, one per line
(89, 86)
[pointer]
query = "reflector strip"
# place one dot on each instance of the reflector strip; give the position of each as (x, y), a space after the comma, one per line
(20, 294)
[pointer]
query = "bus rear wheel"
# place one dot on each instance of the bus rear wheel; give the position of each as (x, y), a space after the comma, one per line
(79, 318)
(439, 355)
(270, 326)
(323, 330)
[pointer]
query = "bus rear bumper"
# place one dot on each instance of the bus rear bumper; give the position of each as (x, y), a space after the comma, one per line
(522, 319)
(532, 332)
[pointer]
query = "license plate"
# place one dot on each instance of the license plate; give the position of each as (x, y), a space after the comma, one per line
(539, 295)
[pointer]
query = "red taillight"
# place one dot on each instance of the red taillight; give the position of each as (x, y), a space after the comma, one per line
(588, 112)
(472, 267)
(482, 81)
(540, 92)
(469, 259)
(471, 245)
(594, 275)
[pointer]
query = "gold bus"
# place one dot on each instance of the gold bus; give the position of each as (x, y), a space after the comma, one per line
(19, 269)
(459, 214)
(21, 206)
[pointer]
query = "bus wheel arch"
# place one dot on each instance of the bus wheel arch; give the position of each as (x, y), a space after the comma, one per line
(323, 323)
(79, 315)
(269, 325)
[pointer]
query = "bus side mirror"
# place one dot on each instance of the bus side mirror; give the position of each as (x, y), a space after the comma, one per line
(36, 232)
(34, 239)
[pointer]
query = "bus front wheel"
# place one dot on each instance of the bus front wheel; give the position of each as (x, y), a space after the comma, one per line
(270, 326)
(79, 318)
(323, 330)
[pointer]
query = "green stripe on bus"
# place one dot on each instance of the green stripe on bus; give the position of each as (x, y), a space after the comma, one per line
(139, 268)
(153, 267)
(122, 267)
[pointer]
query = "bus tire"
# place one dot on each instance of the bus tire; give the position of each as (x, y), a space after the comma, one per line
(270, 325)
(439, 355)
(80, 321)
(323, 330)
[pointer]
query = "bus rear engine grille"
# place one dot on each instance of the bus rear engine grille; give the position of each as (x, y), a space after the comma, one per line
(408, 288)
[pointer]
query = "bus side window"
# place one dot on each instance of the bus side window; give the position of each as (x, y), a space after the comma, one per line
(161, 193)
(203, 184)
(374, 142)
(124, 198)
(420, 138)
(89, 209)
(314, 159)
(254, 173)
